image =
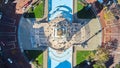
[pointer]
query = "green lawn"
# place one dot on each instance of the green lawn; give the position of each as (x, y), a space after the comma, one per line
(81, 56)
(40, 59)
(79, 5)
(35, 55)
(37, 12)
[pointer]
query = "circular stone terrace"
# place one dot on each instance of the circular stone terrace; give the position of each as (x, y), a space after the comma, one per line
(59, 33)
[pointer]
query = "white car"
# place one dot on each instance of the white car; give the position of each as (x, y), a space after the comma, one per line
(6, 1)
(9, 60)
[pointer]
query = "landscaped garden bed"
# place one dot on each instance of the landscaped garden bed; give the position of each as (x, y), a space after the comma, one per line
(93, 59)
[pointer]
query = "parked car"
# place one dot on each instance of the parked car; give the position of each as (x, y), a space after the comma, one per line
(9, 60)
(6, 1)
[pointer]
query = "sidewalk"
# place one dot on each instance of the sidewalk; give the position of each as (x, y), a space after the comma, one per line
(45, 59)
(93, 35)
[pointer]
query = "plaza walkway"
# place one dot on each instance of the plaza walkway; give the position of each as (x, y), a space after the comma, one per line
(111, 32)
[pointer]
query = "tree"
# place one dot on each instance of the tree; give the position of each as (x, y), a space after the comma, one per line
(99, 65)
(91, 56)
(118, 1)
(117, 66)
(108, 15)
(100, 55)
